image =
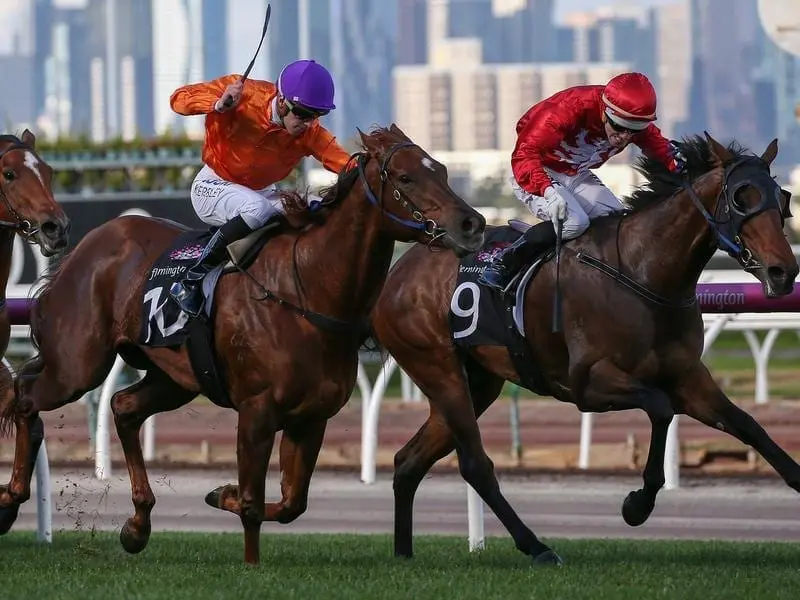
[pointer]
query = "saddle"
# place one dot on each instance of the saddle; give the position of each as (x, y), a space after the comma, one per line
(164, 324)
(483, 316)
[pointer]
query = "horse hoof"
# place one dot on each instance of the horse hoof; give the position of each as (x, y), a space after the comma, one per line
(6, 499)
(637, 507)
(548, 558)
(132, 543)
(214, 497)
(8, 516)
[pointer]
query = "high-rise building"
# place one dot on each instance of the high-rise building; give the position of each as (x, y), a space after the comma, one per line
(673, 57)
(178, 60)
(21, 63)
(411, 47)
(362, 56)
(214, 16)
(475, 107)
(726, 52)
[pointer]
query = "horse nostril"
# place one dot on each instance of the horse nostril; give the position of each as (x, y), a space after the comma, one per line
(50, 229)
(471, 225)
(777, 274)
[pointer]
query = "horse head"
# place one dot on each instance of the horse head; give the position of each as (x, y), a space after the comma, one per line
(750, 214)
(420, 205)
(27, 205)
(726, 199)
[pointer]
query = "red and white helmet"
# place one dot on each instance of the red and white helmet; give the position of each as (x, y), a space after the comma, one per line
(630, 100)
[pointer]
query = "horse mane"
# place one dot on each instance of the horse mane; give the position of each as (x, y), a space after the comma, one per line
(662, 183)
(295, 203)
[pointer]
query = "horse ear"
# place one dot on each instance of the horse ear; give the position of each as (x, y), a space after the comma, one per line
(771, 152)
(28, 138)
(365, 139)
(396, 130)
(719, 153)
(787, 206)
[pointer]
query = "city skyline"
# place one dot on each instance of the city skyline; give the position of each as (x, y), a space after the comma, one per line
(75, 71)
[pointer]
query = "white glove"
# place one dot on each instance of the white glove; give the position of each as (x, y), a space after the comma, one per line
(556, 196)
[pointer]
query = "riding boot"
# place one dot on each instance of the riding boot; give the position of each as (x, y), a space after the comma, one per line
(186, 291)
(499, 273)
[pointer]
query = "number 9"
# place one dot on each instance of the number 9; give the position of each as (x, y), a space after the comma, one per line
(471, 311)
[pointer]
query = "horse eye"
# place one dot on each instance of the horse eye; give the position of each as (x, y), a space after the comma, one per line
(9, 175)
(405, 178)
(738, 198)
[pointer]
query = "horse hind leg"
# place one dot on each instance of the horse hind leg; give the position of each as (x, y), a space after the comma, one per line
(131, 407)
(701, 398)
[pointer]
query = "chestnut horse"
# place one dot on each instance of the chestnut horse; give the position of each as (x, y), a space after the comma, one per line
(287, 328)
(632, 332)
(28, 209)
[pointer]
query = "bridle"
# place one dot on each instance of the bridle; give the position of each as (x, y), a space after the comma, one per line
(726, 224)
(418, 221)
(730, 215)
(21, 225)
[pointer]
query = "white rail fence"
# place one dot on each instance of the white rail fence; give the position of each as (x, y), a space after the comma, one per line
(372, 396)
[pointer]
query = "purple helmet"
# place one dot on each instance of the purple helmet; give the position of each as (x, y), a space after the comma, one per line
(307, 83)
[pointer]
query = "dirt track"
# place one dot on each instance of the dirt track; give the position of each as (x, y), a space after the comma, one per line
(576, 506)
(203, 434)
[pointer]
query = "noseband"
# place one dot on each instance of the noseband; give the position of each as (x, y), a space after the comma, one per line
(21, 225)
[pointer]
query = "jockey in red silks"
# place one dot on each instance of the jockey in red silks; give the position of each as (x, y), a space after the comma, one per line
(559, 141)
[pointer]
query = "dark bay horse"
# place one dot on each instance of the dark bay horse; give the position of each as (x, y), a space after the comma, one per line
(287, 330)
(27, 209)
(632, 332)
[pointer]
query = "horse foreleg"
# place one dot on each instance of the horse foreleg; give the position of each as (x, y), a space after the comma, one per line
(8, 514)
(433, 441)
(38, 389)
(441, 378)
(702, 399)
(131, 407)
(299, 450)
(254, 442)
(611, 388)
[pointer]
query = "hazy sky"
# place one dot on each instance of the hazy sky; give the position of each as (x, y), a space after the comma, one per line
(567, 6)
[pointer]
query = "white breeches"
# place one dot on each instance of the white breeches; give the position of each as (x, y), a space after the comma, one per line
(217, 201)
(590, 199)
